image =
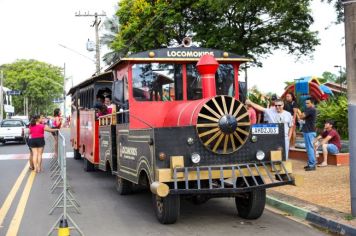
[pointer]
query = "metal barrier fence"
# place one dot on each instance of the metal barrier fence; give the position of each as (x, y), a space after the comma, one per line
(58, 169)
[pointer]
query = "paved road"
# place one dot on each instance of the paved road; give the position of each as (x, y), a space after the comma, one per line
(104, 212)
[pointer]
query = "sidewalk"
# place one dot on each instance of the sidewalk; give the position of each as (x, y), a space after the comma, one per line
(323, 198)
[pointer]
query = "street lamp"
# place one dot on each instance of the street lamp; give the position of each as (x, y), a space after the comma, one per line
(340, 71)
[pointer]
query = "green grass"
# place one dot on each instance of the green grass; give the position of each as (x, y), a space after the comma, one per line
(349, 217)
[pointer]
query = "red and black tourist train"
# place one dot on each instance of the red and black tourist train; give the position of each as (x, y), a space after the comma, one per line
(179, 127)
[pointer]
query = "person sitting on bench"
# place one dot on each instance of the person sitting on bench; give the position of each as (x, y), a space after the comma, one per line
(330, 142)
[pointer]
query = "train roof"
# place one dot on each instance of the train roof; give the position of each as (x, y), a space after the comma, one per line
(181, 54)
(107, 75)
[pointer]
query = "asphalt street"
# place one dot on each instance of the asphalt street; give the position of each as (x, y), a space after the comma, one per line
(104, 212)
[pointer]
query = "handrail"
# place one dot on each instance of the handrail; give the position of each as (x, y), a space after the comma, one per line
(110, 119)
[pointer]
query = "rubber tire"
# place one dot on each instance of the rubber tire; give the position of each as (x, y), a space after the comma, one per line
(77, 155)
(168, 212)
(251, 207)
(88, 166)
(123, 186)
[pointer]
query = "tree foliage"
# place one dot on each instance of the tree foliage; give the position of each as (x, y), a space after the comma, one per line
(111, 30)
(258, 97)
(328, 77)
(339, 9)
(39, 82)
(249, 27)
(334, 109)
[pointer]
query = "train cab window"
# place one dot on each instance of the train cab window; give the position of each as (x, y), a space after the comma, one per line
(224, 80)
(157, 82)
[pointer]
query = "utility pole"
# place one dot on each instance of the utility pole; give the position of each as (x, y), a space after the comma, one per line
(1, 95)
(96, 27)
(350, 42)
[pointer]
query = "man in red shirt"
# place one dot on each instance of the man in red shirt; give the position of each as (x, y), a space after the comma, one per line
(330, 141)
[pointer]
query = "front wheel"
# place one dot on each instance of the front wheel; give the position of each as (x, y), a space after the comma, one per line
(251, 205)
(166, 208)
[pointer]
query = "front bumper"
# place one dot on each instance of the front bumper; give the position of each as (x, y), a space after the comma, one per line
(222, 180)
(11, 138)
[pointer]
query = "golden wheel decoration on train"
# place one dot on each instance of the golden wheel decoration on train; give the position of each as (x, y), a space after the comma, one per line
(223, 124)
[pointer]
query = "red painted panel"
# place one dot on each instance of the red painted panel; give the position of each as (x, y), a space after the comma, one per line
(96, 143)
(74, 130)
(89, 136)
(236, 78)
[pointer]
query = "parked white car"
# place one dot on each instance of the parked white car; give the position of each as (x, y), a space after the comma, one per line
(12, 130)
(23, 118)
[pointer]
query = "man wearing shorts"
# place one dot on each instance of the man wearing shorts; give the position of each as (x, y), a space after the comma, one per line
(330, 142)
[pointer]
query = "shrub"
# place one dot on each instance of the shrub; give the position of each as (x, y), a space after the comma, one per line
(334, 109)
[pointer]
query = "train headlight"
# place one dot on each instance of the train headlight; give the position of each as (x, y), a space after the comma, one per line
(190, 141)
(195, 158)
(260, 155)
(253, 138)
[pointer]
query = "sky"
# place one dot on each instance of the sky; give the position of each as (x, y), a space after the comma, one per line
(34, 29)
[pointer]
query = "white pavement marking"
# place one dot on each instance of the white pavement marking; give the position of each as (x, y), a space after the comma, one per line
(26, 155)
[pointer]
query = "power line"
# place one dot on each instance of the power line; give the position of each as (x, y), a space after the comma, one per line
(70, 49)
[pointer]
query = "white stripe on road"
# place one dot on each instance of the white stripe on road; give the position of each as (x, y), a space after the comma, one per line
(26, 156)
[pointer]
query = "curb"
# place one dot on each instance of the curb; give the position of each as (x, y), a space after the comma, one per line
(312, 217)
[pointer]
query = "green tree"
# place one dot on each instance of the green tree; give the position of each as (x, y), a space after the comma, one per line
(111, 30)
(251, 27)
(334, 109)
(328, 77)
(339, 10)
(39, 82)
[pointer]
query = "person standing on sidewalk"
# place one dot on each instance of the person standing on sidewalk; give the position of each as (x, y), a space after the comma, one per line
(36, 141)
(276, 114)
(251, 114)
(308, 129)
(291, 106)
(330, 142)
(56, 124)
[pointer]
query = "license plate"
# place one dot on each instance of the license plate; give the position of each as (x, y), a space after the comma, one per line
(265, 129)
(9, 137)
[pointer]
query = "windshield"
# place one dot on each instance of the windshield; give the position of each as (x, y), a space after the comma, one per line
(224, 81)
(12, 123)
(157, 82)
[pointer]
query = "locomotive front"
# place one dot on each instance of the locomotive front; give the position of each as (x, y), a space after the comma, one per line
(209, 149)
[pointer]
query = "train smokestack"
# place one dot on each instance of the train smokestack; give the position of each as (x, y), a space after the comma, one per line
(207, 66)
